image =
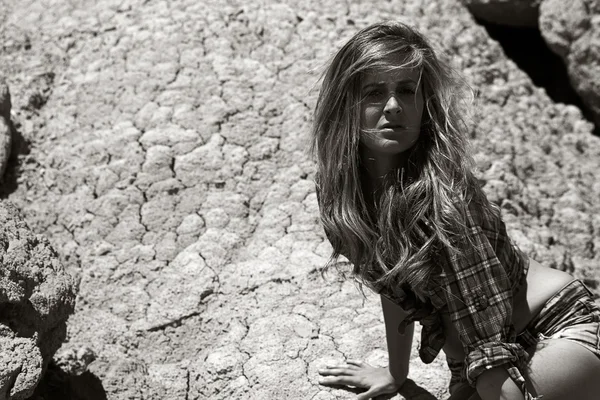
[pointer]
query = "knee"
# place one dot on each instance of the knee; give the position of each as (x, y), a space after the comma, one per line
(495, 384)
(563, 369)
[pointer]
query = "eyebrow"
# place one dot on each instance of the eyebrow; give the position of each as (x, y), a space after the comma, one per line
(380, 83)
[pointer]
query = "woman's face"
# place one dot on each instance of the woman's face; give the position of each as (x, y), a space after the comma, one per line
(391, 110)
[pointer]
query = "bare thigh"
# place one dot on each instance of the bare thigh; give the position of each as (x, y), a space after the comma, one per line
(561, 369)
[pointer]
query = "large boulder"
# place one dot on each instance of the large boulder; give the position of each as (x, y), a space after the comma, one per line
(505, 12)
(5, 131)
(572, 30)
(36, 298)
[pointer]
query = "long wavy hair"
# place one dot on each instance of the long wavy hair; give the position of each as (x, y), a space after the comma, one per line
(421, 208)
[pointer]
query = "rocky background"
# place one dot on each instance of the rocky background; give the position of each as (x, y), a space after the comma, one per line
(161, 147)
(570, 29)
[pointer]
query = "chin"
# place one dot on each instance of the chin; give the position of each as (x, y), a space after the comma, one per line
(388, 147)
(396, 148)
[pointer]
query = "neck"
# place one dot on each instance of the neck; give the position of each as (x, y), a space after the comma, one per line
(377, 166)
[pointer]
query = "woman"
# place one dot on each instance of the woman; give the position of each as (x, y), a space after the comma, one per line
(398, 198)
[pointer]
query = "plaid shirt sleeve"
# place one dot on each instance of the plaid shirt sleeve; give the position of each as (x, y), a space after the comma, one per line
(478, 288)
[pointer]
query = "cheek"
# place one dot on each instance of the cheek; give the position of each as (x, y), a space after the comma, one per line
(369, 117)
(417, 111)
(420, 105)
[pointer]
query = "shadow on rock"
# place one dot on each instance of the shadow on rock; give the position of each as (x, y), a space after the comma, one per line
(358, 391)
(59, 385)
(411, 391)
(20, 146)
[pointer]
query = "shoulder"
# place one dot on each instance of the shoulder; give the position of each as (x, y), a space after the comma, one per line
(483, 215)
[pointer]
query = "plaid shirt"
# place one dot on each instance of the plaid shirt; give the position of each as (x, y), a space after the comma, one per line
(476, 289)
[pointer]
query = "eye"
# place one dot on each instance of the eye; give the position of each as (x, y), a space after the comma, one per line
(374, 96)
(407, 90)
(374, 93)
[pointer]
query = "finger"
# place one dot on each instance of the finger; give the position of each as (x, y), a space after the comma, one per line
(357, 363)
(347, 365)
(340, 380)
(336, 366)
(336, 371)
(368, 394)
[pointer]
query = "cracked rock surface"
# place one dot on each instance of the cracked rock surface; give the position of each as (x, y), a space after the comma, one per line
(165, 158)
(36, 298)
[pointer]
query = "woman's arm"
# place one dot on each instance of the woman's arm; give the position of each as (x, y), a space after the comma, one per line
(399, 345)
(377, 381)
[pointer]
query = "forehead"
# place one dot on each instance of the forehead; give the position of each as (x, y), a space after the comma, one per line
(393, 68)
(393, 76)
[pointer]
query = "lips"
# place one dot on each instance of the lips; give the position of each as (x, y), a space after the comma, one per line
(392, 126)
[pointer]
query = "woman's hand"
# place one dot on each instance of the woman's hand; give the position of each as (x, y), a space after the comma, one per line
(377, 381)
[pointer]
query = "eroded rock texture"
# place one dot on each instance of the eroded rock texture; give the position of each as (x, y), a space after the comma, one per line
(36, 298)
(167, 164)
(572, 30)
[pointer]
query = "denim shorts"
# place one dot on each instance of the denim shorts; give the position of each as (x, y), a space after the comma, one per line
(570, 314)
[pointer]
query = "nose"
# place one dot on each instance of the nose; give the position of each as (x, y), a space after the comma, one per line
(392, 106)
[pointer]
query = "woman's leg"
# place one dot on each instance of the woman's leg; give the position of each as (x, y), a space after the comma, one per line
(463, 391)
(561, 369)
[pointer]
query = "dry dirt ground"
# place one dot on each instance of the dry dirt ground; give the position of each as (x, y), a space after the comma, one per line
(160, 146)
